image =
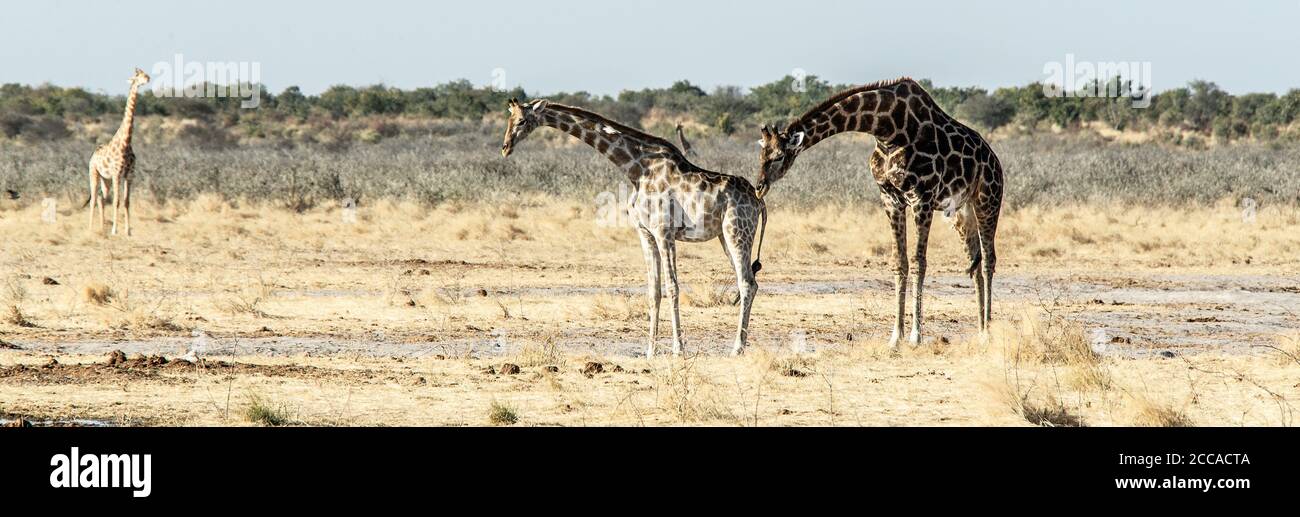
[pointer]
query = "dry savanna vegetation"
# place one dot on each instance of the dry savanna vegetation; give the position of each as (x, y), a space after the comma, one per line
(456, 288)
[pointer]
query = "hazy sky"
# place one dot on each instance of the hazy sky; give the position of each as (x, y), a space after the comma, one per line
(604, 46)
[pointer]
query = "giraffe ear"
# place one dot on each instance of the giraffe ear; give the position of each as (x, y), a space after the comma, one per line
(796, 140)
(540, 105)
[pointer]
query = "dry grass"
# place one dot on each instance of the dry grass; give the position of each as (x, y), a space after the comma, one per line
(335, 281)
(98, 293)
(618, 307)
(544, 353)
(502, 414)
(708, 294)
(1143, 410)
(260, 410)
(1045, 339)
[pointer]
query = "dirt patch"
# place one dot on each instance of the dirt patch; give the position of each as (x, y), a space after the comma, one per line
(156, 368)
(593, 368)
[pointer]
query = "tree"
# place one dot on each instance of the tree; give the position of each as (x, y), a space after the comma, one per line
(985, 110)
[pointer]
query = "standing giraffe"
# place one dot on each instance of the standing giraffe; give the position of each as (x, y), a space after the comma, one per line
(924, 159)
(674, 201)
(681, 137)
(114, 162)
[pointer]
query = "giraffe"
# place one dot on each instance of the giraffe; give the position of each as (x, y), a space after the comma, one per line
(924, 159)
(114, 161)
(674, 200)
(686, 146)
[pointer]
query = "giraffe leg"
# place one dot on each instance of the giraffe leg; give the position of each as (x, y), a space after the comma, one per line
(99, 202)
(117, 201)
(738, 243)
(668, 254)
(988, 228)
(126, 203)
(94, 198)
(653, 295)
(923, 216)
(967, 227)
(735, 300)
(897, 213)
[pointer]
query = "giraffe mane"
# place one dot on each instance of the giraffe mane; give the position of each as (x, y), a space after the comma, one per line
(628, 130)
(622, 128)
(835, 99)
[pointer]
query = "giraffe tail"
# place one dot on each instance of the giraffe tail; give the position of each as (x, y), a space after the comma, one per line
(762, 229)
(103, 194)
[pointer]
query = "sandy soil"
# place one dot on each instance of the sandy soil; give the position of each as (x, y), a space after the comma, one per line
(396, 317)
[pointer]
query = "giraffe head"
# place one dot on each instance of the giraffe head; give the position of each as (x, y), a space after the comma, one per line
(139, 79)
(777, 155)
(523, 120)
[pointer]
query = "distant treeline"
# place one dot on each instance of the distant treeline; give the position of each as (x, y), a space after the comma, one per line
(44, 112)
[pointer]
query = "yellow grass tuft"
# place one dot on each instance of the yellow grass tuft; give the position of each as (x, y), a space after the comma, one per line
(98, 293)
(502, 414)
(1046, 339)
(1141, 410)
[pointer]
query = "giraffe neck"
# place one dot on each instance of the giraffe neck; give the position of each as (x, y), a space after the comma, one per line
(123, 135)
(628, 149)
(893, 114)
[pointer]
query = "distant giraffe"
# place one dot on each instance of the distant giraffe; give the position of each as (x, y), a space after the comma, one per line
(674, 201)
(924, 159)
(686, 146)
(115, 161)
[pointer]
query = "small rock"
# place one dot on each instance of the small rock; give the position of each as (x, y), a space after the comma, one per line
(509, 369)
(49, 281)
(490, 370)
(52, 363)
(1167, 354)
(593, 368)
(552, 369)
(618, 369)
(440, 357)
(116, 357)
(410, 303)
(482, 292)
(419, 381)
(784, 411)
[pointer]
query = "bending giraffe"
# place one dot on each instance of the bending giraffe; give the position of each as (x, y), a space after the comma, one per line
(674, 200)
(924, 159)
(114, 162)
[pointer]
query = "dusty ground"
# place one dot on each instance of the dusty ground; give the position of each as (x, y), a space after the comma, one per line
(394, 316)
